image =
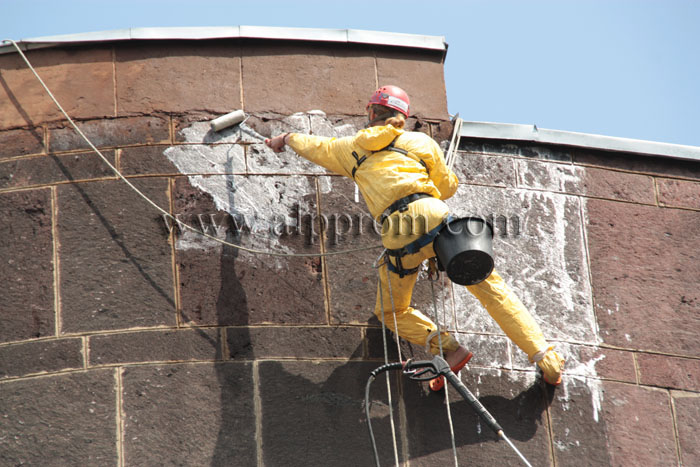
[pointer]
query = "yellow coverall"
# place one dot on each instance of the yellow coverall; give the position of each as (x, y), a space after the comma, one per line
(387, 176)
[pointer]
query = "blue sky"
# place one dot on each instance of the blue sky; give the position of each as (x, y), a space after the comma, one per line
(617, 67)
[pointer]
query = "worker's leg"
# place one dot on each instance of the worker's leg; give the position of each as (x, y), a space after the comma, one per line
(401, 229)
(412, 325)
(518, 324)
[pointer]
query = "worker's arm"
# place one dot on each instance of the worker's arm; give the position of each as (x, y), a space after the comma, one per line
(444, 179)
(324, 151)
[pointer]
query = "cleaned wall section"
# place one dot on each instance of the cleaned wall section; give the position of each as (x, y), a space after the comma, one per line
(126, 339)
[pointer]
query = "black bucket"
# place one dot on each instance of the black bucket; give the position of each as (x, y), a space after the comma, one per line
(465, 250)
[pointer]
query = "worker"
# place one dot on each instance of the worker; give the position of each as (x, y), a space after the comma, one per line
(403, 179)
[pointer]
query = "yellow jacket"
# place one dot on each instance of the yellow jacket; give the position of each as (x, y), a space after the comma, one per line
(385, 176)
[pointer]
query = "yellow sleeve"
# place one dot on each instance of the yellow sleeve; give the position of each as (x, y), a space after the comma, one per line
(330, 153)
(444, 179)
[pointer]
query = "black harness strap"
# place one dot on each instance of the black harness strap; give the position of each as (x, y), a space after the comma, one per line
(389, 147)
(412, 248)
(359, 161)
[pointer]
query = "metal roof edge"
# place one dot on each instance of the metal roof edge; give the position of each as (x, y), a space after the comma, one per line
(228, 32)
(519, 132)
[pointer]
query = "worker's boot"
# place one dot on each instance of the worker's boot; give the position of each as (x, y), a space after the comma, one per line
(456, 359)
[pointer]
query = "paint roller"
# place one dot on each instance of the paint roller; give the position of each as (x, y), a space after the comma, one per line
(237, 117)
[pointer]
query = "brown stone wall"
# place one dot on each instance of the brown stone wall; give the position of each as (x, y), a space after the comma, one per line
(126, 339)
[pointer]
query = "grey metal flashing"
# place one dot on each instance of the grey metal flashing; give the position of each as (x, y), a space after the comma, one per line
(231, 32)
(515, 132)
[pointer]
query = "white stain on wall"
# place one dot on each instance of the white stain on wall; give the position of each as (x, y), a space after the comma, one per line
(544, 261)
(219, 165)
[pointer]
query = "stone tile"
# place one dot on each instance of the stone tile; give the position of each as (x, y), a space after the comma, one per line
(515, 148)
(419, 73)
(611, 423)
(189, 414)
(116, 265)
(687, 410)
(180, 122)
(642, 164)
(639, 425)
(516, 402)
(261, 159)
(669, 372)
(590, 181)
(205, 159)
(375, 347)
(81, 78)
(621, 186)
(297, 78)
(484, 170)
(679, 193)
(323, 402)
(27, 295)
(489, 351)
(145, 160)
(42, 356)
(352, 279)
(64, 419)
(539, 252)
(580, 428)
(21, 142)
(441, 131)
(183, 76)
(155, 346)
(296, 342)
(52, 168)
(551, 176)
(644, 272)
(110, 133)
(604, 363)
(339, 126)
(223, 285)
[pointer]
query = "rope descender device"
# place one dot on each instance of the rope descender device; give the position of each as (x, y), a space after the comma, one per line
(425, 370)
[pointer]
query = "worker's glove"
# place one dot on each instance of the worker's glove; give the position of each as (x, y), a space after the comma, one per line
(551, 364)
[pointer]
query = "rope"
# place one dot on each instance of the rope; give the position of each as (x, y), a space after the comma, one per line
(445, 386)
(388, 380)
(393, 311)
(153, 204)
(450, 157)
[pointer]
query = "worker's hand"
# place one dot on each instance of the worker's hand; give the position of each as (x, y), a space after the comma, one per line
(552, 366)
(276, 143)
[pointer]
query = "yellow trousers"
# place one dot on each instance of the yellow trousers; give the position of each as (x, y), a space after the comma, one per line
(493, 293)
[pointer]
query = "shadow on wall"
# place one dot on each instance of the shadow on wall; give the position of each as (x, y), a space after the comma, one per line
(312, 413)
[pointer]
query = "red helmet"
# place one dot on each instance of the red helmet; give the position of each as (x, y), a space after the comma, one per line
(391, 96)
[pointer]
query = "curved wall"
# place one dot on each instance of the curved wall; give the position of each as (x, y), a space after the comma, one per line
(128, 340)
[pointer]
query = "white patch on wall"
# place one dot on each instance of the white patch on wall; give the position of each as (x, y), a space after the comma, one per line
(540, 251)
(216, 163)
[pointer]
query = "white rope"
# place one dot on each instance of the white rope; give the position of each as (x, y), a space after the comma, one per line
(393, 312)
(445, 385)
(388, 379)
(450, 157)
(158, 208)
(451, 153)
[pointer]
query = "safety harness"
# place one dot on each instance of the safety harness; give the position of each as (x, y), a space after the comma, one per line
(389, 147)
(411, 248)
(401, 205)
